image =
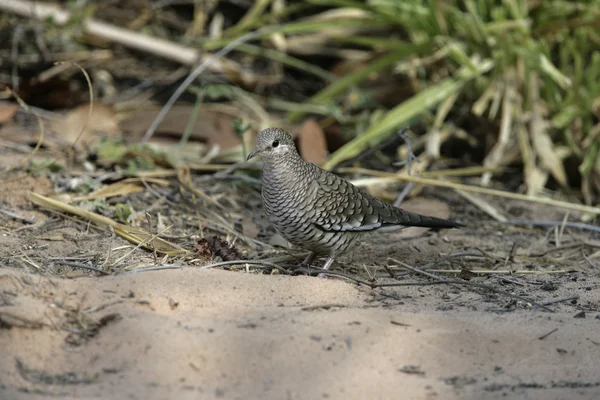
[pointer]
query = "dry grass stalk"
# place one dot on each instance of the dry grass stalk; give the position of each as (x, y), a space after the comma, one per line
(391, 177)
(135, 235)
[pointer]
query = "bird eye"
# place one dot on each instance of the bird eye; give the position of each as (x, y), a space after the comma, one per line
(275, 143)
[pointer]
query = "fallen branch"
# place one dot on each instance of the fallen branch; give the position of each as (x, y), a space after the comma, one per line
(138, 41)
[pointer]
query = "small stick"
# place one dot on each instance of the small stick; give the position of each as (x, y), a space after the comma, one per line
(29, 261)
(493, 272)
(507, 279)
(403, 194)
(411, 156)
(567, 246)
(480, 253)
(498, 258)
(17, 217)
(90, 108)
(546, 303)
(102, 306)
(588, 259)
(482, 205)
(547, 334)
(82, 266)
(509, 255)
(214, 265)
(417, 271)
(578, 225)
(323, 306)
(228, 170)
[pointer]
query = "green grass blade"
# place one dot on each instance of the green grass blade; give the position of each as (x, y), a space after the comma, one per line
(354, 78)
(403, 113)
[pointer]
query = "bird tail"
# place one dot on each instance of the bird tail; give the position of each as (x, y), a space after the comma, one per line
(413, 219)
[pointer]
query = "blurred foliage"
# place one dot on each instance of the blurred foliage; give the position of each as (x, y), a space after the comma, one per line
(44, 168)
(519, 77)
(532, 68)
(532, 65)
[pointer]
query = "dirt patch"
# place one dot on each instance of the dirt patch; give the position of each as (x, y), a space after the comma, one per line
(13, 198)
(195, 333)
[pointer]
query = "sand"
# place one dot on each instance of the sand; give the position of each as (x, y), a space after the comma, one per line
(214, 334)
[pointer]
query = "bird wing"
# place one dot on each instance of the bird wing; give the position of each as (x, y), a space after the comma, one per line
(342, 207)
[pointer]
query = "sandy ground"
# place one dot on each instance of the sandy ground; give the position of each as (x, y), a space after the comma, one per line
(191, 333)
(205, 334)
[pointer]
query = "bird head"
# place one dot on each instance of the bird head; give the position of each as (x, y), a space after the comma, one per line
(272, 143)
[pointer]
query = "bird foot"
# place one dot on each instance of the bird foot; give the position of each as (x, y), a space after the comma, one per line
(306, 269)
(299, 269)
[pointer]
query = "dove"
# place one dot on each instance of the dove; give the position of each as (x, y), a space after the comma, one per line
(317, 210)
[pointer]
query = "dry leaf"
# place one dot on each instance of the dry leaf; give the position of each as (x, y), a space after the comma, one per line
(7, 110)
(212, 127)
(213, 246)
(311, 142)
(123, 188)
(103, 121)
(116, 189)
(202, 249)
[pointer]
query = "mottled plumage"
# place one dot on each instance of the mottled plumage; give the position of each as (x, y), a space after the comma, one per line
(317, 210)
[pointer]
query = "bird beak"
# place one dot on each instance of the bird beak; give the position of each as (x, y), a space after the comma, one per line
(252, 154)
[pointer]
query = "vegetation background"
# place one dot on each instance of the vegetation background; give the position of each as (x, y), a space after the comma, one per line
(136, 260)
(511, 86)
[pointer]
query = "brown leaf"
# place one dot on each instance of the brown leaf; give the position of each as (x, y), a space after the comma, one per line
(212, 127)
(123, 188)
(202, 249)
(7, 110)
(466, 274)
(213, 246)
(221, 248)
(311, 142)
(103, 121)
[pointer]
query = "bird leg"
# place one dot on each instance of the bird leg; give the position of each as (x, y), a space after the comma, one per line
(326, 266)
(311, 257)
(328, 263)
